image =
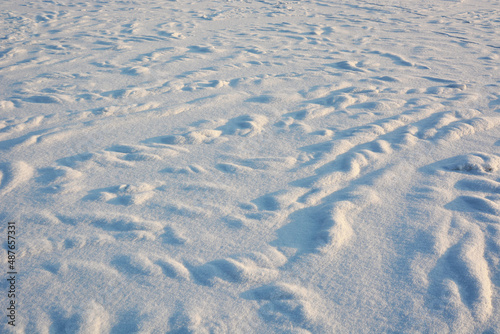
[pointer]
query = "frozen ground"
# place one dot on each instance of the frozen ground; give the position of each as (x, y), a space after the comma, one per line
(251, 166)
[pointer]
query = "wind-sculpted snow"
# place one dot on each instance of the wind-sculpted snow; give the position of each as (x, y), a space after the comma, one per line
(251, 166)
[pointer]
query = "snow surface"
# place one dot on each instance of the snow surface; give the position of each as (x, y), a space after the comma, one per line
(251, 166)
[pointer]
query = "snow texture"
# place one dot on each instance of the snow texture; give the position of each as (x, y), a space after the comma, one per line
(251, 166)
